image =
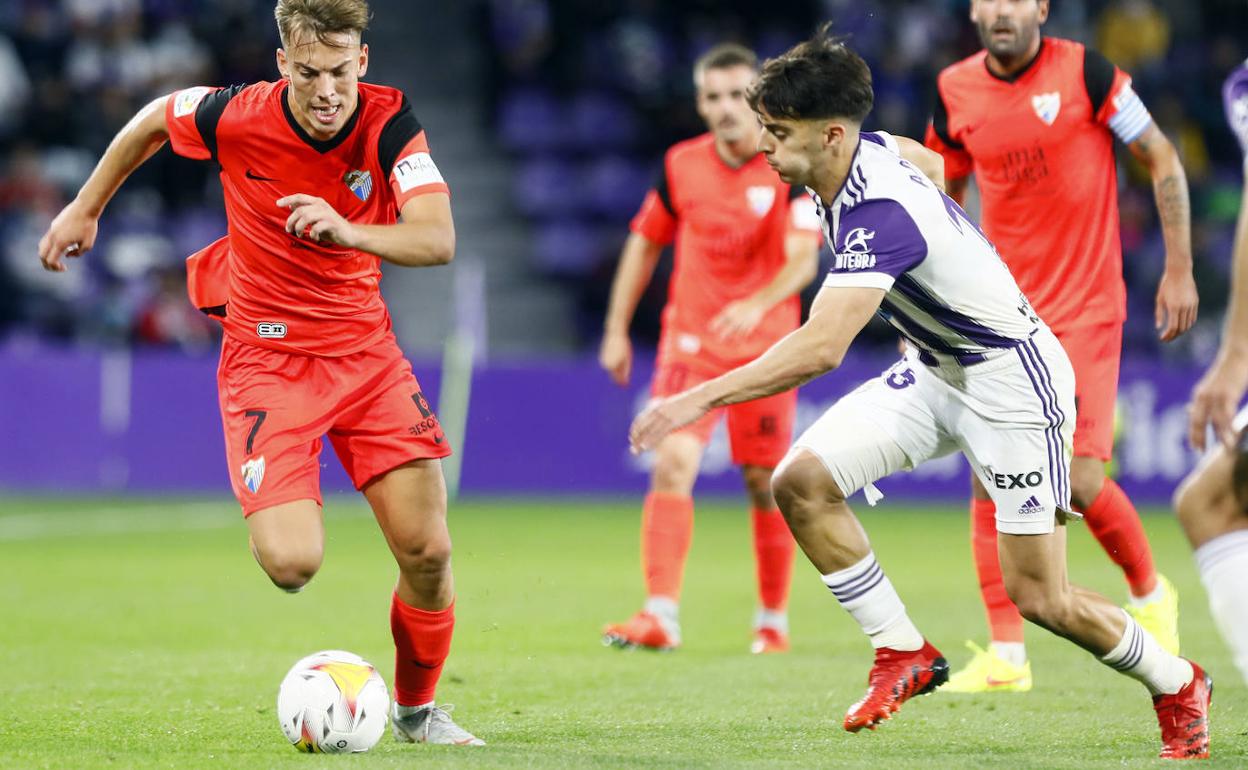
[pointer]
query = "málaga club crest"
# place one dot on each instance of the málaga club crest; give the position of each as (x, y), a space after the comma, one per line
(360, 183)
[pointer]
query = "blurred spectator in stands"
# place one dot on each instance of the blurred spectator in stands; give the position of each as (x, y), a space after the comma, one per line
(14, 88)
(1133, 34)
(167, 319)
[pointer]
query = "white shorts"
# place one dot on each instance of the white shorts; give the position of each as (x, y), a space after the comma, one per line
(1012, 415)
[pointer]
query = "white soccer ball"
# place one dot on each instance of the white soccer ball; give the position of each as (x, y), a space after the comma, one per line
(333, 702)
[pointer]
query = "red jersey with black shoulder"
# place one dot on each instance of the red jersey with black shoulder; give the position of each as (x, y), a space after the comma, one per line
(729, 226)
(288, 293)
(1040, 144)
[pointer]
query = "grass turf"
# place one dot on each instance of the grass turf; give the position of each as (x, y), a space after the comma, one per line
(139, 633)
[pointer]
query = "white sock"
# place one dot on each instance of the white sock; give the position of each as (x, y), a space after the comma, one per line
(1139, 656)
(1148, 598)
(868, 595)
(777, 619)
(1014, 653)
(667, 610)
(1223, 566)
(401, 711)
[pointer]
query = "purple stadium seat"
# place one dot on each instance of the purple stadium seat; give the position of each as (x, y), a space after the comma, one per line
(614, 187)
(532, 120)
(600, 121)
(546, 187)
(566, 248)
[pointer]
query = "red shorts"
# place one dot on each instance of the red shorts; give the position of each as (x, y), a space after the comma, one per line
(759, 432)
(276, 406)
(1094, 353)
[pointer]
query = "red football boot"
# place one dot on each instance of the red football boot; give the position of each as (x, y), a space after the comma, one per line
(1184, 718)
(769, 641)
(643, 630)
(896, 677)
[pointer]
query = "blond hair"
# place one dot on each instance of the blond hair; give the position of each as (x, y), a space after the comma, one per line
(297, 19)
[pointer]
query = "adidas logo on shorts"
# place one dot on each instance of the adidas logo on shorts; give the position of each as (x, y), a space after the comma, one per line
(1031, 506)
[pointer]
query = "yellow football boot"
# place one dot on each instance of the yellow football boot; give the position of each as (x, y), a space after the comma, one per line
(989, 672)
(1161, 617)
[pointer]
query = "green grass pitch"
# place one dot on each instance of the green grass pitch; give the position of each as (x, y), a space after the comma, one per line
(139, 633)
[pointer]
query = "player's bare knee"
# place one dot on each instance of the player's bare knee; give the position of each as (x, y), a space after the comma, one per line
(675, 466)
(424, 556)
(758, 486)
(291, 570)
(803, 489)
(1039, 604)
(673, 478)
(1191, 499)
(1207, 505)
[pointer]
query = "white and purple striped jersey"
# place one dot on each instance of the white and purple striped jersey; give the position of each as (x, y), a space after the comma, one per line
(948, 291)
(1235, 103)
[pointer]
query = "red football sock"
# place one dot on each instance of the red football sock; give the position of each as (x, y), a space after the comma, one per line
(422, 640)
(773, 558)
(1005, 624)
(1115, 523)
(666, 531)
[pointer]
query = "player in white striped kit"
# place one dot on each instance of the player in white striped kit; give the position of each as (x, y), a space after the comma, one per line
(983, 375)
(1212, 502)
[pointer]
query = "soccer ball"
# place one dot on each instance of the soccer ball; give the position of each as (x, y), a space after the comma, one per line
(333, 702)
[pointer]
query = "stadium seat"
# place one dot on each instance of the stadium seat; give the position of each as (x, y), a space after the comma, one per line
(546, 187)
(613, 187)
(532, 120)
(566, 248)
(600, 121)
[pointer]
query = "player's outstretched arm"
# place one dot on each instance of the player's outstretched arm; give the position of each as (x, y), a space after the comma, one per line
(637, 262)
(1176, 303)
(801, 262)
(72, 232)
(1217, 395)
(819, 346)
(423, 238)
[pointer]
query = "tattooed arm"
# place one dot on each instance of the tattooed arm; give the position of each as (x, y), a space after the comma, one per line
(1175, 310)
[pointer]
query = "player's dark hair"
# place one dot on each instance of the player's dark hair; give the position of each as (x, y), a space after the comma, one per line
(818, 79)
(724, 56)
(320, 19)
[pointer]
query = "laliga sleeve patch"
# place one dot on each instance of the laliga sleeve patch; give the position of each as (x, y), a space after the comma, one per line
(185, 102)
(416, 170)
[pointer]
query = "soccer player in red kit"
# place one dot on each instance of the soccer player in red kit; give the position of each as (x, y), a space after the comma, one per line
(746, 244)
(1034, 118)
(317, 168)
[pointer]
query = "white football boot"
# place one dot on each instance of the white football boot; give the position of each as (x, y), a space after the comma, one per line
(431, 724)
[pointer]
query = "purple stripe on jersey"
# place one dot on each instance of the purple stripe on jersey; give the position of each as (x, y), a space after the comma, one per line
(873, 137)
(1235, 104)
(853, 192)
(916, 332)
(947, 316)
